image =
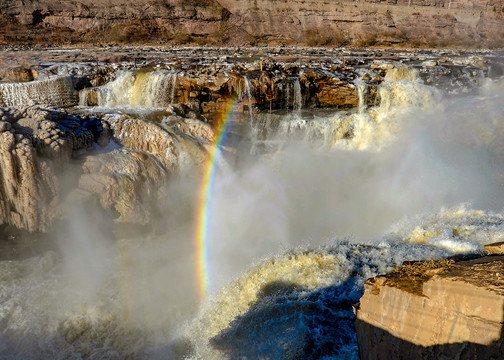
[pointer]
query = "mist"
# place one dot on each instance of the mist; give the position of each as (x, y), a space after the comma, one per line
(130, 290)
(305, 197)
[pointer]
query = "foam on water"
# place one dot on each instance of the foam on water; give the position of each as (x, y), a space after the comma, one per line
(57, 90)
(398, 97)
(298, 305)
(294, 236)
(137, 89)
(294, 305)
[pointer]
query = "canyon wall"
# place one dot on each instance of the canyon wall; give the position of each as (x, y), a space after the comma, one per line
(322, 22)
(432, 310)
(432, 23)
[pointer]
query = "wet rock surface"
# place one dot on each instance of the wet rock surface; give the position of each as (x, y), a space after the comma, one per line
(36, 144)
(187, 90)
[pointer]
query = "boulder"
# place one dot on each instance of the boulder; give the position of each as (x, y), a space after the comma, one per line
(433, 310)
(146, 136)
(495, 248)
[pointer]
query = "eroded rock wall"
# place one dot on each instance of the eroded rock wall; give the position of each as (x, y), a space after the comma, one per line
(425, 22)
(311, 22)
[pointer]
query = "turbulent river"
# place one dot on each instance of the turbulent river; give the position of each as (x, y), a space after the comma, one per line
(301, 215)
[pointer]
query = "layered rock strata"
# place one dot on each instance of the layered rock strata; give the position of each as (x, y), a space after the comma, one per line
(432, 310)
(312, 22)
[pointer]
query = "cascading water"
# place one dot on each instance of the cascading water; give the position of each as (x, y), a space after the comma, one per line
(294, 233)
(398, 95)
(57, 91)
(249, 98)
(361, 93)
(298, 98)
(144, 89)
(173, 88)
(287, 95)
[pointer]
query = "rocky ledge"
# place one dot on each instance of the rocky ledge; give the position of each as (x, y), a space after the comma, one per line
(435, 310)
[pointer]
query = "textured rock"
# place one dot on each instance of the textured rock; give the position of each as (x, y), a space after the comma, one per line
(35, 144)
(28, 185)
(126, 181)
(53, 132)
(330, 90)
(18, 74)
(146, 136)
(495, 249)
(312, 22)
(433, 310)
(116, 20)
(367, 22)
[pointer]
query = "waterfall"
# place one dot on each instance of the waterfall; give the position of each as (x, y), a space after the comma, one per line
(369, 127)
(249, 96)
(139, 89)
(298, 99)
(173, 87)
(361, 89)
(287, 95)
(58, 91)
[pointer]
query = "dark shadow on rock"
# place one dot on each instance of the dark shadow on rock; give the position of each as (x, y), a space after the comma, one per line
(291, 322)
(378, 344)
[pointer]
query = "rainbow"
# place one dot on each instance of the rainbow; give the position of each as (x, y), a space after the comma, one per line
(205, 199)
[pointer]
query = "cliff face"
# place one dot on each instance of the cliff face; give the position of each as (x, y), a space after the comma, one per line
(40, 21)
(429, 22)
(432, 310)
(311, 22)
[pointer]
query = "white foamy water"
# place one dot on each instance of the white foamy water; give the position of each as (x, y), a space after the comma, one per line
(129, 299)
(57, 90)
(294, 235)
(398, 97)
(137, 89)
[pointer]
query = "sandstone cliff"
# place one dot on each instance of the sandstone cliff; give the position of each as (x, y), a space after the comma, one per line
(432, 310)
(247, 22)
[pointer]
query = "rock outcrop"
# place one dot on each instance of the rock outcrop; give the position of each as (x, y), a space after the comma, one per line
(275, 85)
(432, 310)
(28, 186)
(35, 144)
(312, 22)
(146, 136)
(126, 181)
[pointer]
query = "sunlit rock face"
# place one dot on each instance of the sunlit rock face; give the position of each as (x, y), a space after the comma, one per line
(316, 22)
(429, 310)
